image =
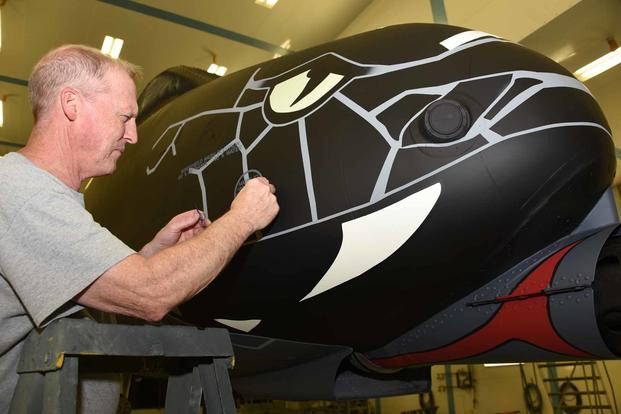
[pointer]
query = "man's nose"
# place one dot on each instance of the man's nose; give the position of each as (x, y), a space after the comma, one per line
(131, 131)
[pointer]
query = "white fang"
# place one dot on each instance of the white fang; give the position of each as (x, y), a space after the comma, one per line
(371, 239)
(463, 37)
(244, 326)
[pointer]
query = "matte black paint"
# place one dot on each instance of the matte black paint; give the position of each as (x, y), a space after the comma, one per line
(501, 202)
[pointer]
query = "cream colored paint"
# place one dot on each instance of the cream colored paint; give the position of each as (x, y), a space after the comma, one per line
(463, 37)
(285, 93)
(371, 239)
(241, 325)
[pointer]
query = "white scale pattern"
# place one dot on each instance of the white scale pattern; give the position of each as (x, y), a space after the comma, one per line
(482, 126)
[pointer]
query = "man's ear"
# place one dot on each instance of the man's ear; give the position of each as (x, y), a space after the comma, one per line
(70, 102)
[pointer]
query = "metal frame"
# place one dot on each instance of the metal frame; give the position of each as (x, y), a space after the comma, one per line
(195, 360)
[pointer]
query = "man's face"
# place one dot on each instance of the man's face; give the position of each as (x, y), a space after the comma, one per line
(108, 123)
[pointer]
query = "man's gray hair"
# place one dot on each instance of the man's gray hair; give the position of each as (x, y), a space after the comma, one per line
(70, 66)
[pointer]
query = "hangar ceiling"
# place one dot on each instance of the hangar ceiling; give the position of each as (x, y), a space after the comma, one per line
(571, 31)
(32, 27)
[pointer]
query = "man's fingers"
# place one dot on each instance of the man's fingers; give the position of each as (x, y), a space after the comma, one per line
(265, 181)
(262, 180)
(185, 220)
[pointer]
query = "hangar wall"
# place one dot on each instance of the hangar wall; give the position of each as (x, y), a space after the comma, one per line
(496, 390)
(607, 94)
(511, 20)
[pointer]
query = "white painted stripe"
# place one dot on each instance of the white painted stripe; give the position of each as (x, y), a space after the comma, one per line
(462, 38)
(308, 173)
(371, 239)
(241, 325)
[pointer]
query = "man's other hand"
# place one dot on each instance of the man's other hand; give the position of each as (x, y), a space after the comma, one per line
(182, 227)
(256, 204)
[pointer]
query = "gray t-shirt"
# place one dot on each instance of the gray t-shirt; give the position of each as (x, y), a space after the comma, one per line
(50, 250)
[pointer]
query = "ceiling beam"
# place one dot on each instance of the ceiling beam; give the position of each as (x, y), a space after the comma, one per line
(439, 11)
(196, 24)
(14, 81)
(11, 144)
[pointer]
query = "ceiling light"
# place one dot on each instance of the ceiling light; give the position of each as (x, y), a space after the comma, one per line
(562, 54)
(502, 364)
(602, 64)
(112, 46)
(106, 47)
(266, 3)
(1, 113)
(285, 45)
(217, 69)
(117, 45)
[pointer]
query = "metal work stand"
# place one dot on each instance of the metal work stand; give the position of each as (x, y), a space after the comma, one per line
(196, 362)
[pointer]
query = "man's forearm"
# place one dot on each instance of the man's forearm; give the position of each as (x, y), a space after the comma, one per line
(183, 270)
(148, 287)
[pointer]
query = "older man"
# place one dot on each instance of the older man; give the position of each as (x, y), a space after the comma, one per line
(53, 256)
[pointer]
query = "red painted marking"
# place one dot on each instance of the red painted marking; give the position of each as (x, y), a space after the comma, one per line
(527, 320)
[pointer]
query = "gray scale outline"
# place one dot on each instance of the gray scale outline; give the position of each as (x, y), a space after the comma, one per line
(481, 127)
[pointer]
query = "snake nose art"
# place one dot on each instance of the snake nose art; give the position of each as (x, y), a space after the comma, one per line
(434, 183)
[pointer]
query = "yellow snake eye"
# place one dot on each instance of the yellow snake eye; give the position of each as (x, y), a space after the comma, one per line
(288, 96)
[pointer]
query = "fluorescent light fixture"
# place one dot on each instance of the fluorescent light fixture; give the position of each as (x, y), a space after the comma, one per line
(502, 364)
(266, 3)
(285, 45)
(112, 46)
(117, 45)
(562, 54)
(602, 64)
(106, 47)
(1, 113)
(217, 69)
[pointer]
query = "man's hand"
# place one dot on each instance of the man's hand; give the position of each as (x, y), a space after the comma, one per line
(256, 204)
(182, 227)
(168, 272)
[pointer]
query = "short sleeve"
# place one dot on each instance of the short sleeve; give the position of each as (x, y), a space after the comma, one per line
(52, 250)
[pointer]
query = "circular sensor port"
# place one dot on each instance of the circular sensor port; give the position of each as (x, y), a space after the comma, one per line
(446, 120)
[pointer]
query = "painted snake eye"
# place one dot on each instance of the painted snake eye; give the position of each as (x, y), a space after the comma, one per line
(299, 91)
(293, 95)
